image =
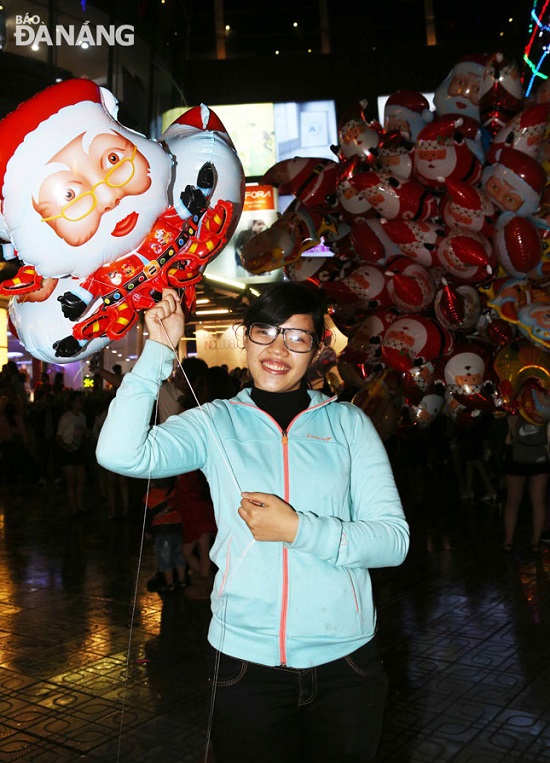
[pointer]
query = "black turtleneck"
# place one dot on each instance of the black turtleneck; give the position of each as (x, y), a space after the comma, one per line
(282, 406)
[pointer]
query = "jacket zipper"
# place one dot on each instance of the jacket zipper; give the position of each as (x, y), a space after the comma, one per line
(286, 497)
(284, 602)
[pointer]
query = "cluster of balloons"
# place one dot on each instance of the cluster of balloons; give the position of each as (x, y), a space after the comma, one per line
(97, 219)
(439, 224)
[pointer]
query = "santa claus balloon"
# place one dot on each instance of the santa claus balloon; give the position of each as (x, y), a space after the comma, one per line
(102, 218)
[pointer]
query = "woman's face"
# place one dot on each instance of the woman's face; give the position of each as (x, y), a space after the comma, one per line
(272, 367)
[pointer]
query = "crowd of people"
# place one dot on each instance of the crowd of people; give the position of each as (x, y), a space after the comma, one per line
(48, 436)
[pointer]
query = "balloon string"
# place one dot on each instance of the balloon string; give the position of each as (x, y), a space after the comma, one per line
(135, 596)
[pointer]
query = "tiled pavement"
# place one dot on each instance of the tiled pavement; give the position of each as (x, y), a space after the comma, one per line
(84, 676)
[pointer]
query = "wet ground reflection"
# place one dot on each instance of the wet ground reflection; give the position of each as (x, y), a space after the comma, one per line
(87, 673)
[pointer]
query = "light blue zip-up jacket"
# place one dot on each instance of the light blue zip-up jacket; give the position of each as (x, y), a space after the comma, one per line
(298, 604)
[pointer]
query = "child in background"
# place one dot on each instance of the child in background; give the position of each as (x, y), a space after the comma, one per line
(163, 522)
(199, 528)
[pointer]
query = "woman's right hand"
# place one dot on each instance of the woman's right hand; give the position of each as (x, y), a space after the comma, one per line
(165, 321)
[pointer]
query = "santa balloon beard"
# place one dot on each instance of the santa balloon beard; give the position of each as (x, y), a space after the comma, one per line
(38, 244)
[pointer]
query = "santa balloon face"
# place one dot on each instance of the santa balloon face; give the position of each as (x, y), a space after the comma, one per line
(467, 379)
(397, 159)
(423, 414)
(464, 372)
(406, 111)
(459, 91)
(434, 162)
(399, 122)
(90, 182)
(357, 138)
(413, 341)
(515, 183)
(465, 206)
(501, 192)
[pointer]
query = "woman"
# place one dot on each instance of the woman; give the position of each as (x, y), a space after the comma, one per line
(526, 464)
(305, 503)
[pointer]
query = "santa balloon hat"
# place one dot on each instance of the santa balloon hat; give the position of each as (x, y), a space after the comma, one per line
(472, 63)
(412, 107)
(523, 173)
(197, 119)
(47, 122)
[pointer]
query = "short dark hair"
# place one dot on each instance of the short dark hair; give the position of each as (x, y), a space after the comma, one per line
(282, 300)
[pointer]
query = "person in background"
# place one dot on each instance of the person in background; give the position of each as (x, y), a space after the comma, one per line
(163, 522)
(17, 464)
(527, 465)
(194, 504)
(305, 504)
(114, 487)
(113, 378)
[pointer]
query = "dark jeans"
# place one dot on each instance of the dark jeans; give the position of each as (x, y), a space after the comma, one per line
(329, 714)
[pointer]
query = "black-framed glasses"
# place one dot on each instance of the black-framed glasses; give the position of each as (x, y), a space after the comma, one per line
(295, 340)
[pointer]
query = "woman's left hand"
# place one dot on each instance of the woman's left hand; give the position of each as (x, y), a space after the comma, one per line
(268, 517)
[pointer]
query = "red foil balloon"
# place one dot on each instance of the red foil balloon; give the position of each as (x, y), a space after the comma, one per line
(467, 375)
(467, 256)
(364, 286)
(468, 207)
(410, 286)
(312, 181)
(356, 137)
(457, 307)
(370, 241)
(417, 382)
(449, 148)
(395, 155)
(417, 240)
(393, 198)
(501, 96)
(518, 244)
(500, 332)
(422, 414)
(362, 354)
(525, 132)
(413, 340)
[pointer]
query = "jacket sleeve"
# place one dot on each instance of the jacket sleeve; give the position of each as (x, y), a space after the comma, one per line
(127, 443)
(377, 535)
